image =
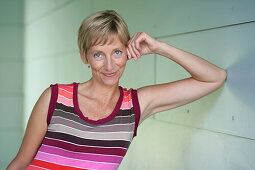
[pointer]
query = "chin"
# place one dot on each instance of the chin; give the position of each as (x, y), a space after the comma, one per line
(111, 82)
(108, 80)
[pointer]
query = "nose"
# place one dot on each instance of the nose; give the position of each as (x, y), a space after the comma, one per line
(109, 64)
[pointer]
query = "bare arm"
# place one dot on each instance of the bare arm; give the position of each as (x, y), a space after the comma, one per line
(35, 131)
(206, 77)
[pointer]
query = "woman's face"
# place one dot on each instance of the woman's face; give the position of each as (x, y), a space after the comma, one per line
(107, 61)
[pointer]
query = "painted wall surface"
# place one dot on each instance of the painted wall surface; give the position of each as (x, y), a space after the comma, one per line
(214, 132)
(11, 79)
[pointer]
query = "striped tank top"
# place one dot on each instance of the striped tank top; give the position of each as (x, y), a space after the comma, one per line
(73, 141)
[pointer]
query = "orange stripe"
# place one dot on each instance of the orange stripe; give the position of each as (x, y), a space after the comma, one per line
(48, 165)
(65, 94)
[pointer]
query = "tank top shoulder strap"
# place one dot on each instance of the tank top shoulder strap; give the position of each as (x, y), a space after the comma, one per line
(137, 110)
(61, 93)
(53, 100)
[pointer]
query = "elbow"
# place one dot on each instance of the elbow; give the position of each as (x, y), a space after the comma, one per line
(16, 164)
(222, 76)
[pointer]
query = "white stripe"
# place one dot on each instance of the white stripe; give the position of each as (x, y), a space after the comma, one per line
(87, 137)
(126, 116)
(39, 166)
(126, 108)
(73, 121)
(88, 131)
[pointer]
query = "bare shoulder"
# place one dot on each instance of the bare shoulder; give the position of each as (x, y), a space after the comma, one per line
(35, 132)
(38, 117)
(42, 104)
(45, 97)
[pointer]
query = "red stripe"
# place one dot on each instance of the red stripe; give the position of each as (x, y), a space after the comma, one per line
(54, 166)
(85, 149)
(65, 93)
(68, 87)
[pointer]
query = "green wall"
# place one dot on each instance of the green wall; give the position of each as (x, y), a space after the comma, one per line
(214, 132)
(11, 79)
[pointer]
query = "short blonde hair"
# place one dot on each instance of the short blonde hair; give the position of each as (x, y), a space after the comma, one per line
(97, 27)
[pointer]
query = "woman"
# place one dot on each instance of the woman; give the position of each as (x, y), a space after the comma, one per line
(90, 125)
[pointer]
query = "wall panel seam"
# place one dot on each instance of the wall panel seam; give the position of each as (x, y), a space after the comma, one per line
(204, 129)
(201, 30)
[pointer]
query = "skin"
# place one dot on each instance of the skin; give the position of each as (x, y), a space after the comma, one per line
(205, 76)
(35, 132)
(101, 91)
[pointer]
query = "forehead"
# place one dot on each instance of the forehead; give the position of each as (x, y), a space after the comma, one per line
(111, 41)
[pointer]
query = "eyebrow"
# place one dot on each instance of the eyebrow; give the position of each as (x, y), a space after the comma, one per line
(93, 51)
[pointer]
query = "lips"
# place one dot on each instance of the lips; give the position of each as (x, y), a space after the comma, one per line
(110, 74)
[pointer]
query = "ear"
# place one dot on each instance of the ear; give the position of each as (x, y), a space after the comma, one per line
(84, 59)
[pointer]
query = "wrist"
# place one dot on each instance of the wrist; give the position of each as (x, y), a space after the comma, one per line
(161, 48)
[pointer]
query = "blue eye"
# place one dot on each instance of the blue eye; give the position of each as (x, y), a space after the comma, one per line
(118, 52)
(97, 55)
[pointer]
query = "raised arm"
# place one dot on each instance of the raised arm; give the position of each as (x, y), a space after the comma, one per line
(35, 131)
(205, 77)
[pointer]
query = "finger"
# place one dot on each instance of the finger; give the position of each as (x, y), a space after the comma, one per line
(133, 55)
(138, 42)
(135, 50)
(129, 56)
(134, 46)
(133, 38)
(148, 40)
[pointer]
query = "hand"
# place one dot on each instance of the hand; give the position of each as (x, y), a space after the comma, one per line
(141, 44)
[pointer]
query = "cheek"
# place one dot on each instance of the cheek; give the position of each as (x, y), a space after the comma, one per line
(96, 65)
(123, 62)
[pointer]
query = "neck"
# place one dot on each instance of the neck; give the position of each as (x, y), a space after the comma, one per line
(105, 92)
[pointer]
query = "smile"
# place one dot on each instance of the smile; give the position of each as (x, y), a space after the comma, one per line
(110, 74)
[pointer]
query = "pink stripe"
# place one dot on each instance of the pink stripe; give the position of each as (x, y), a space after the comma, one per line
(126, 105)
(65, 101)
(74, 162)
(77, 155)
